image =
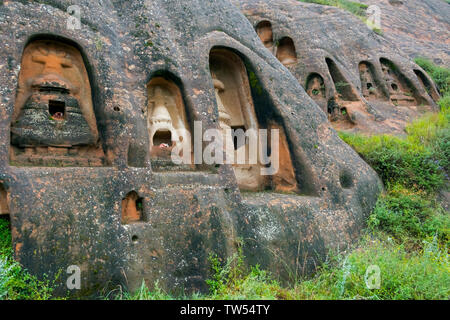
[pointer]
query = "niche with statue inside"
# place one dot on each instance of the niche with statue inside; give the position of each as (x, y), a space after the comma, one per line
(53, 122)
(315, 87)
(167, 125)
(251, 161)
(399, 91)
(345, 99)
(369, 86)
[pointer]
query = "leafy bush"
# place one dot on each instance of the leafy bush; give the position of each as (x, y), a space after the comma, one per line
(398, 160)
(440, 75)
(421, 274)
(407, 215)
(15, 282)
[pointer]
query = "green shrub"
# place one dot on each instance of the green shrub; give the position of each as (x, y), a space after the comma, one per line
(440, 75)
(422, 274)
(15, 282)
(398, 160)
(407, 215)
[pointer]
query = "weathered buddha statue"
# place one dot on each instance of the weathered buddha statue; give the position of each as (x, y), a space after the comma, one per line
(167, 122)
(54, 104)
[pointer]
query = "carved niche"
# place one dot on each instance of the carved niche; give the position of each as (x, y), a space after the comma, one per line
(53, 122)
(340, 105)
(368, 85)
(399, 92)
(265, 33)
(237, 112)
(167, 122)
(315, 87)
(286, 52)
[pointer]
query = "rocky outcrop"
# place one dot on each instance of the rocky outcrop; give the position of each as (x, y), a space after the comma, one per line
(420, 28)
(361, 80)
(109, 97)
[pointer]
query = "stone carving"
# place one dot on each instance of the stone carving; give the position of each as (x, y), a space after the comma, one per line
(369, 87)
(53, 121)
(236, 111)
(265, 33)
(286, 51)
(132, 208)
(167, 123)
(399, 92)
(315, 87)
(185, 215)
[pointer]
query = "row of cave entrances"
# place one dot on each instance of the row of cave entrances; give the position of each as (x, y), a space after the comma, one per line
(54, 121)
(388, 85)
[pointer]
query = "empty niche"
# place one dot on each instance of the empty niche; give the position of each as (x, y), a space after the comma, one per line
(167, 123)
(236, 115)
(427, 85)
(369, 85)
(286, 51)
(265, 33)
(132, 208)
(315, 87)
(53, 122)
(399, 90)
(4, 201)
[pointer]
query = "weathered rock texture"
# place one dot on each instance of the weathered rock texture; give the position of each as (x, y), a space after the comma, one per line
(359, 78)
(420, 28)
(133, 216)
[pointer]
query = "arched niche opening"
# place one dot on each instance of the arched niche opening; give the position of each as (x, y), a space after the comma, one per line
(427, 85)
(369, 84)
(265, 33)
(167, 123)
(53, 122)
(132, 208)
(343, 88)
(236, 108)
(401, 91)
(286, 52)
(315, 87)
(4, 201)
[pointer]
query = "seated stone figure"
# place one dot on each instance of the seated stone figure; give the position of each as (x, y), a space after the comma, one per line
(53, 121)
(54, 105)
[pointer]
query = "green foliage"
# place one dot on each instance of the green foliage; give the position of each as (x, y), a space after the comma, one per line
(422, 274)
(356, 8)
(15, 282)
(440, 75)
(398, 160)
(410, 217)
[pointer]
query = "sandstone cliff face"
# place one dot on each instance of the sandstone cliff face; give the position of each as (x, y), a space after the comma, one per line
(420, 28)
(361, 80)
(110, 203)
